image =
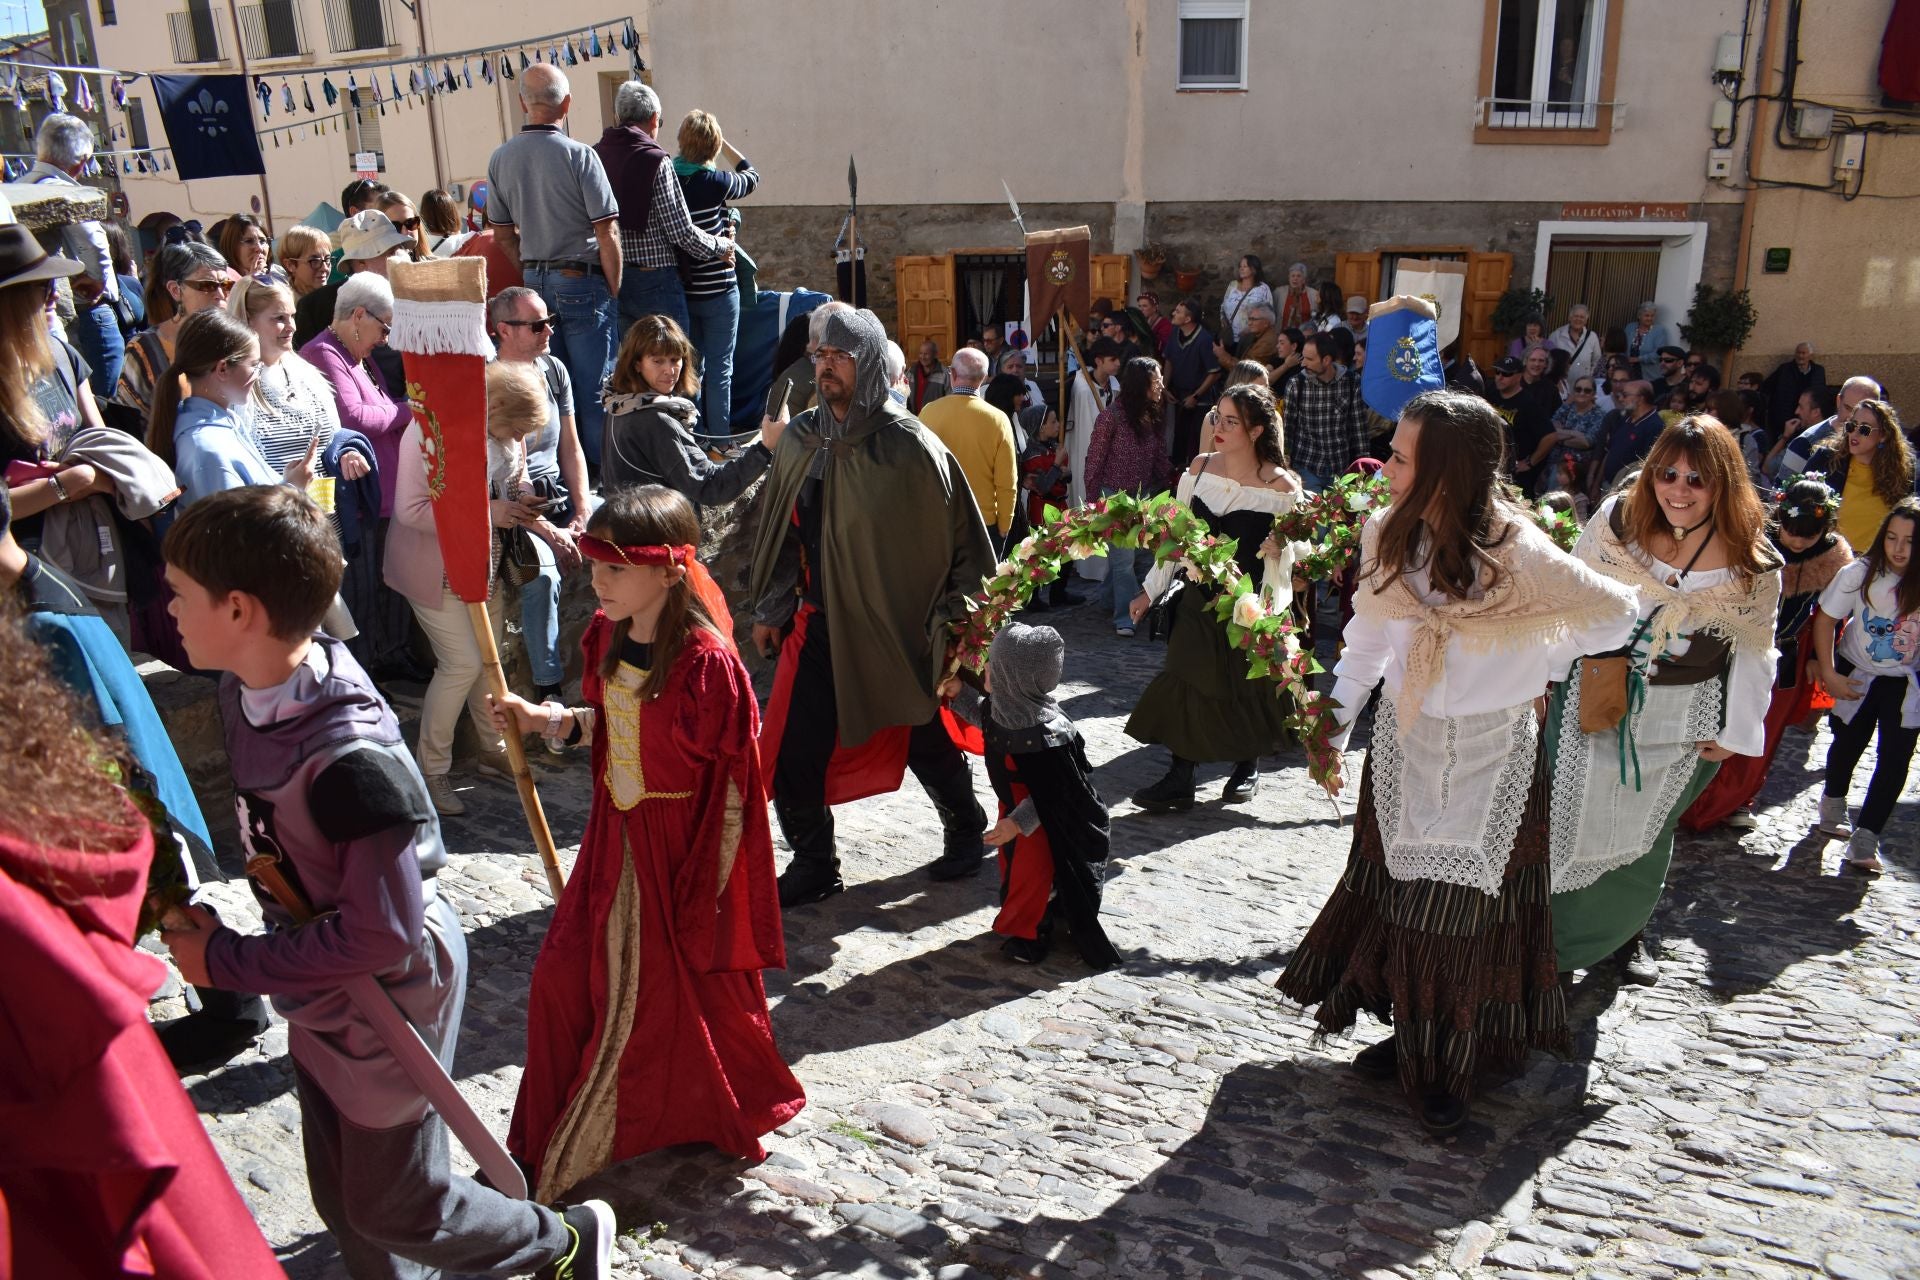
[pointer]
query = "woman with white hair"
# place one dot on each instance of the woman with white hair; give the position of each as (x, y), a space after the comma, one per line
(362, 318)
(1643, 339)
(1299, 304)
(89, 303)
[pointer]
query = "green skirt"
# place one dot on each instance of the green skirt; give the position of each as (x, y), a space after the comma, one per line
(1591, 924)
(1202, 705)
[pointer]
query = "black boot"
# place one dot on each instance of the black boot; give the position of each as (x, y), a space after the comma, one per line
(1379, 1061)
(964, 852)
(1024, 950)
(1244, 784)
(814, 873)
(1442, 1113)
(1637, 964)
(224, 1026)
(1173, 792)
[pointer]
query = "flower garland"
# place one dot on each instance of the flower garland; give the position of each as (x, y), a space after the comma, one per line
(1171, 531)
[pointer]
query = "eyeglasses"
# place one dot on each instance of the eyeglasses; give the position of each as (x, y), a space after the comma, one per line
(411, 224)
(317, 261)
(1863, 429)
(1584, 390)
(827, 355)
(222, 287)
(1693, 478)
(1669, 360)
(538, 326)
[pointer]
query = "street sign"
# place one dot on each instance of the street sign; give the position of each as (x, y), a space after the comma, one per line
(1778, 261)
(366, 164)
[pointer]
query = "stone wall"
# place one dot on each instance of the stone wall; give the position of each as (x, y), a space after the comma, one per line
(792, 243)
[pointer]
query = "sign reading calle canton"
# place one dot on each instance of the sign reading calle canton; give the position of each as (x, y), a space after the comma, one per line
(1627, 211)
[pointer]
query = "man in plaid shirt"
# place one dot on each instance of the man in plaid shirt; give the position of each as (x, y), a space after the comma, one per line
(1326, 420)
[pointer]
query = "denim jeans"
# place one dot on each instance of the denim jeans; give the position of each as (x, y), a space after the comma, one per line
(1313, 481)
(657, 292)
(95, 333)
(716, 326)
(1123, 580)
(540, 618)
(584, 337)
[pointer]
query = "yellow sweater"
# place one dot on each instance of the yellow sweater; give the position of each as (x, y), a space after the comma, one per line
(1861, 509)
(981, 438)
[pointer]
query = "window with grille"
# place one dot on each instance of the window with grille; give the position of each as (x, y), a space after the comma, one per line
(137, 124)
(1547, 64)
(1213, 44)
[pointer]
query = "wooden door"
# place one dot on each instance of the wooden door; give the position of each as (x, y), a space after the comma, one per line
(1357, 273)
(924, 298)
(1112, 276)
(1488, 275)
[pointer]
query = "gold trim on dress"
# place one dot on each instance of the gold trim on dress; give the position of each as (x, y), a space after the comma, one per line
(626, 773)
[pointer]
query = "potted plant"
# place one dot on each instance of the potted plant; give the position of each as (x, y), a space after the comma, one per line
(1718, 321)
(1186, 280)
(1515, 308)
(1152, 258)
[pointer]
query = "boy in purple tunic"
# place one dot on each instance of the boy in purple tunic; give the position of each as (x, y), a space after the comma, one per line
(325, 786)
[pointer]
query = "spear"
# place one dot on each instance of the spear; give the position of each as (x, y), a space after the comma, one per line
(1014, 205)
(853, 233)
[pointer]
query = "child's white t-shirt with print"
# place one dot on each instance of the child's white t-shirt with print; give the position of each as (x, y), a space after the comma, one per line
(1874, 639)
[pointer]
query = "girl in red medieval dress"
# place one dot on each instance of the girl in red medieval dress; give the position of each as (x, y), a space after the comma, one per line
(647, 1022)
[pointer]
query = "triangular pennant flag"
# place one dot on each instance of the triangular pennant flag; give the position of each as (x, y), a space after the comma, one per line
(56, 91)
(82, 96)
(573, 59)
(486, 69)
(523, 60)
(166, 160)
(630, 39)
(373, 83)
(264, 91)
(118, 88)
(413, 79)
(593, 45)
(327, 91)
(466, 71)
(286, 95)
(451, 81)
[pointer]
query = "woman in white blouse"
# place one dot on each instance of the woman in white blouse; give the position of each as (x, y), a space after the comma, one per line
(1464, 612)
(1248, 290)
(1690, 689)
(293, 405)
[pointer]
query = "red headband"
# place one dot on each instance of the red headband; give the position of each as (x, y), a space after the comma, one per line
(657, 556)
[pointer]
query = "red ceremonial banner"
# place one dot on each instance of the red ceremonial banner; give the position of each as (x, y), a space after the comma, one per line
(1059, 275)
(439, 328)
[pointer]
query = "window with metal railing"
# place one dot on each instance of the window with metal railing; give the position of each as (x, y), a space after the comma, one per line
(271, 29)
(196, 33)
(1548, 60)
(359, 24)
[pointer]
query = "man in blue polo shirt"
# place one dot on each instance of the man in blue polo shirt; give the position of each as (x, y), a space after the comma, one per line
(553, 212)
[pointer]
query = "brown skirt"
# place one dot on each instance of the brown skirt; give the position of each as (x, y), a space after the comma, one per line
(1467, 981)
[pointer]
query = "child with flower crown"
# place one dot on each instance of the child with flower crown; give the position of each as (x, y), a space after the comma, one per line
(647, 1021)
(1803, 531)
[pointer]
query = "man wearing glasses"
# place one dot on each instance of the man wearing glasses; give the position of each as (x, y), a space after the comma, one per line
(1577, 338)
(1673, 373)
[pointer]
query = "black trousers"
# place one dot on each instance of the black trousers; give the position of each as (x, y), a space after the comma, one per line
(1879, 710)
(806, 747)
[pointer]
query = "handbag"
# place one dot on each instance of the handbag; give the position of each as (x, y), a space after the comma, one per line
(1160, 612)
(1603, 692)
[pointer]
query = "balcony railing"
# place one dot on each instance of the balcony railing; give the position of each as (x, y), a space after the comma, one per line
(271, 29)
(359, 24)
(196, 36)
(1523, 113)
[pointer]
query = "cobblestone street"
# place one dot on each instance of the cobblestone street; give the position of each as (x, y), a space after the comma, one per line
(1754, 1115)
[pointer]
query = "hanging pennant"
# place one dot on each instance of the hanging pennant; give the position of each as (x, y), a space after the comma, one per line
(573, 59)
(593, 45)
(118, 88)
(57, 91)
(523, 60)
(286, 96)
(306, 91)
(263, 91)
(82, 96)
(327, 91)
(373, 83)
(466, 71)
(393, 79)
(447, 77)
(486, 69)
(553, 55)
(630, 39)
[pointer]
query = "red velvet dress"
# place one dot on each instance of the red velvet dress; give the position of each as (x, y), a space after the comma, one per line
(647, 1021)
(105, 1168)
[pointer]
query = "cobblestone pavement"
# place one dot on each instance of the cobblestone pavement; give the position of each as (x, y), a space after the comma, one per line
(1753, 1115)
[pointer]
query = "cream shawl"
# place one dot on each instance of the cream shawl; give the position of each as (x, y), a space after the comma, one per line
(1542, 597)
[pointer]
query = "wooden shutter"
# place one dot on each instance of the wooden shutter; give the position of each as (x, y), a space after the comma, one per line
(1488, 275)
(924, 296)
(1112, 274)
(1357, 273)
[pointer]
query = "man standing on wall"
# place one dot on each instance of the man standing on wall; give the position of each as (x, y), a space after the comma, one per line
(553, 212)
(867, 547)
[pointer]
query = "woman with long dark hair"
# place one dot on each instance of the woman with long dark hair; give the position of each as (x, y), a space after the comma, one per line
(1202, 706)
(1128, 455)
(1463, 614)
(1870, 467)
(1640, 734)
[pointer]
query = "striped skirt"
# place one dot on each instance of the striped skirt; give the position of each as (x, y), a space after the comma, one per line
(1467, 980)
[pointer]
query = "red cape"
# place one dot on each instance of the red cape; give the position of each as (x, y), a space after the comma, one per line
(105, 1168)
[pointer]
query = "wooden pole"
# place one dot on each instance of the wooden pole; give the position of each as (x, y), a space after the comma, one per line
(853, 256)
(516, 754)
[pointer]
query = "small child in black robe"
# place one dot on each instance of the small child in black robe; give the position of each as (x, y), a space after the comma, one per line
(1052, 835)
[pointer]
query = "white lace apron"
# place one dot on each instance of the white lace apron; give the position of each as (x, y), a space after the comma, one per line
(1449, 796)
(1599, 823)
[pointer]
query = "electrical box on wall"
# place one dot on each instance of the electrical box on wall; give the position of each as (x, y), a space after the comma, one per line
(1720, 118)
(1849, 152)
(1811, 122)
(1720, 162)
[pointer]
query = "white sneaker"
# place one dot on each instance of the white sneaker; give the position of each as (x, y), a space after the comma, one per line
(1742, 820)
(1863, 851)
(1124, 631)
(1833, 816)
(440, 791)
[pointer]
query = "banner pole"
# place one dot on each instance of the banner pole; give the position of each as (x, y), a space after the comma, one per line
(516, 753)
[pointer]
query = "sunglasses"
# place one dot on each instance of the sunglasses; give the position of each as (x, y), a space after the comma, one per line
(1862, 429)
(210, 286)
(1668, 360)
(1693, 478)
(538, 326)
(1583, 390)
(411, 224)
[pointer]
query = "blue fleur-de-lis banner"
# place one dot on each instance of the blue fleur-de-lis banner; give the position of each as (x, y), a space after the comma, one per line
(210, 127)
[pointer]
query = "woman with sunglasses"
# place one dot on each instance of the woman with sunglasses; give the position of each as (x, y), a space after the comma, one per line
(406, 220)
(1638, 733)
(1576, 424)
(1871, 467)
(186, 278)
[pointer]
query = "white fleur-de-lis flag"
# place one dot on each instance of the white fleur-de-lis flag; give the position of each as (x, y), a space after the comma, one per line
(210, 125)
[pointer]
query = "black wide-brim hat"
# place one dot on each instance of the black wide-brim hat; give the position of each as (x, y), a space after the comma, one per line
(22, 260)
